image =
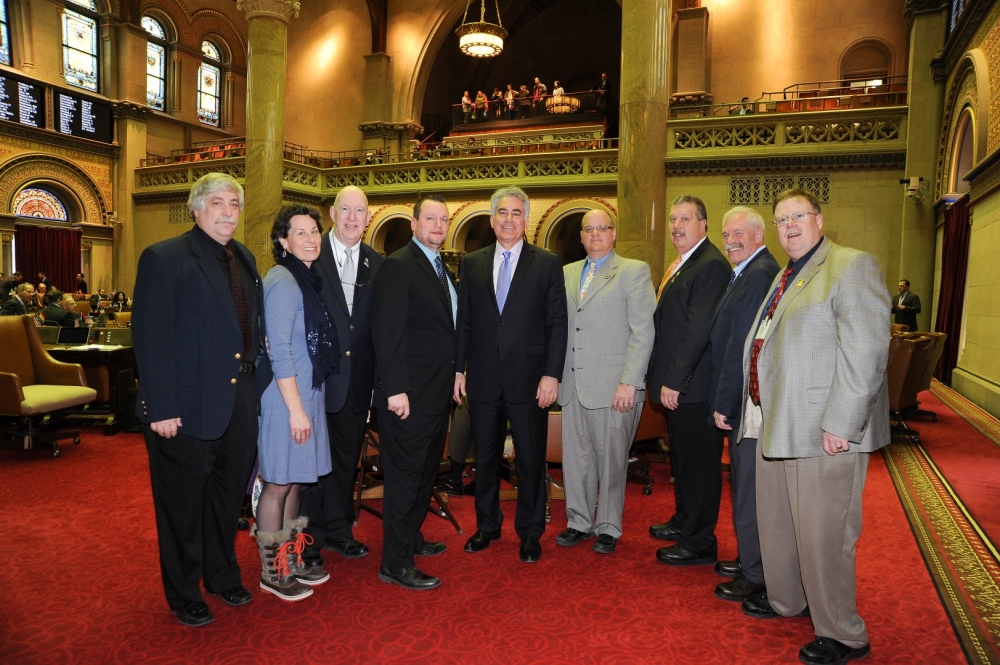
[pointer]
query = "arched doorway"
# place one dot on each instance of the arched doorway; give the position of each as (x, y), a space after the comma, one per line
(478, 233)
(395, 232)
(565, 241)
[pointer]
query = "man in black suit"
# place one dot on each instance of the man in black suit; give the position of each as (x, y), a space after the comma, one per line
(43, 279)
(17, 305)
(512, 345)
(347, 267)
(413, 329)
(8, 285)
(754, 270)
(680, 370)
(60, 309)
(198, 395)
(906, 306)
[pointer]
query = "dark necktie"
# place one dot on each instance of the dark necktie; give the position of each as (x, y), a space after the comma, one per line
(239, 299)
(732, 278)
(444, 283)
(758, 343)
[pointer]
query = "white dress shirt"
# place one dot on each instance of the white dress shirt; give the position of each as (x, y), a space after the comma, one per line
(515, 254)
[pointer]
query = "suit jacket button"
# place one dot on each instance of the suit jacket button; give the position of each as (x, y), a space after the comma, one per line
(232, 381)
(237, 356)
(348, 354)
(351, 327)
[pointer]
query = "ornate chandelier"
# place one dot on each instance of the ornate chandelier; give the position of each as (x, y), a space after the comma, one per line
(482, 39)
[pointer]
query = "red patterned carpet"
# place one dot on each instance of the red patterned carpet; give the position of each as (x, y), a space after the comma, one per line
(80, 584)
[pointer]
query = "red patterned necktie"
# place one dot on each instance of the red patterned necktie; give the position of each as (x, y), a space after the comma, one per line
(239, 299)
(758, 343)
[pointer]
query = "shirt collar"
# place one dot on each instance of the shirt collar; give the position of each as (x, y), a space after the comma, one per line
(340, 248)
(515, 251)
(739, 267)
(430, 253)
(802, 260)
(687, 255)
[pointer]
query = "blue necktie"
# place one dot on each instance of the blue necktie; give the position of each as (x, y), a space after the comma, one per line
(503, 281)
(444, 283)
(732, 278)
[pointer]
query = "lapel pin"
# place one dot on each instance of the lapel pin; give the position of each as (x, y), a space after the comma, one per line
(801, 283)
(607, 276)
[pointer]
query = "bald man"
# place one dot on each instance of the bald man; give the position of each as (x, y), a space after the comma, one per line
(347, 266)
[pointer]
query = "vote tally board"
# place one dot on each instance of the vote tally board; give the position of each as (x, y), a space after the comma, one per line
(23, 101)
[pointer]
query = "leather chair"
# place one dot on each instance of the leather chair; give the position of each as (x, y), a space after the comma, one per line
(34, 386)
(370, 478)
(122, 319)
(925, 381)
(908, 359)
(899, 328)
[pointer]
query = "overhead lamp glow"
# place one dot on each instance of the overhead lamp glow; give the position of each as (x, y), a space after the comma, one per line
(481, 39)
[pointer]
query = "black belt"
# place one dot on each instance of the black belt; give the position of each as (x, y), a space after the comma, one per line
(247, 368)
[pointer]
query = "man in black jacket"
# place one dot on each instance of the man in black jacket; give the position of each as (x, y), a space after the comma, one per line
(906, 306)
(413, 330)
(59, 310)
(754, 270)
(512, 345)
(17, 305)
(198, 395)
(348, 268)
(680, 370)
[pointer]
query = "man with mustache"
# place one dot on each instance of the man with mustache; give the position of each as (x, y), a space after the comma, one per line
(754, 269)
(680, 372)
(512, 344)
(818, 400)
(347, 267)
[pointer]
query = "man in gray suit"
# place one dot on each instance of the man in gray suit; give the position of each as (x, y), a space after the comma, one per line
(817, 399)
(610, 302)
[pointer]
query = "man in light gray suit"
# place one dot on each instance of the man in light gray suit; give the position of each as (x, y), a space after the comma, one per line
(610, 302)
(818, 401)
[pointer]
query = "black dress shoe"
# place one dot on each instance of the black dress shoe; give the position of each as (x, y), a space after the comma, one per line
(665, 531)
(193, 613)
(409, 578)
(453, 488)
(480, 541)
(759, 607)
(312, 558)
(828, 651)
(675, 555)
(738, 589)
(571, 537)
(531, 549)
(347, 548)
(430, 549)
(729, 568)
(605, 544)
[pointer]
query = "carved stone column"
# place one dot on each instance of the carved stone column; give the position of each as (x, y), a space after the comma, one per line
(643, 132)
(130, 120)
(266, 58)
(914, 258)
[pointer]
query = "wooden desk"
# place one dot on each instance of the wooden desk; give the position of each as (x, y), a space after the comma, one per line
(111, 372)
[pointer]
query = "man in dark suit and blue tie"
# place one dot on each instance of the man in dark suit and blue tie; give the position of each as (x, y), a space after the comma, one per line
(754, 270)
(347, 267)
(680, 371)
(512, 345)
(413, 330)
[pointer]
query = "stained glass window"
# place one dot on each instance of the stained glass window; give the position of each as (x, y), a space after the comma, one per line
(156, 64)
(39, 203)
(209, 95)
(4, 34)
(957, 7)
(80, 46)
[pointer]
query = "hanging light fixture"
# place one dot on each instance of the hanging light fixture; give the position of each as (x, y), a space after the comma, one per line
(482, 39)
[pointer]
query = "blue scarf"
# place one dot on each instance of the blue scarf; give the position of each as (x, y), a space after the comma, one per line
(321, 335)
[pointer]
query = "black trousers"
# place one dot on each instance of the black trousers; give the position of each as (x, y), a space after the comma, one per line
(198, 490)
(529, 429)
(411, 456)
(696, 447)
(329, 503)
(743, 480)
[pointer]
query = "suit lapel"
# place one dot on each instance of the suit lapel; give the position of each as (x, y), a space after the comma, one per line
(572, 277)
(602, 276)
(523, 263)
(363, 275)
(333, 295)
(209, 265)
(487, 267)
(429, 270)
(794, 288)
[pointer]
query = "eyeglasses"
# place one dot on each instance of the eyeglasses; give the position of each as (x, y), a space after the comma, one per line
(798, 218)
(601, 228)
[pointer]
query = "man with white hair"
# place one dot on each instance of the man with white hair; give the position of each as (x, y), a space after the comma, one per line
(753, 271)
(198, 394)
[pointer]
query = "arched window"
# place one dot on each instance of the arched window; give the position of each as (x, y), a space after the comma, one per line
(209, 90)
(4, 34)
(156, 63)
(40, 203)
(866, 60)
(963, 153)
(79, 32)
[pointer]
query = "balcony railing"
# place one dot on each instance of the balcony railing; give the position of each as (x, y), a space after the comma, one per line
(568, 107)
(233, 147)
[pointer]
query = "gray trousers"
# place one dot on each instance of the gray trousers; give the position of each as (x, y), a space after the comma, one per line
(595, 456)
(809, 518)
(743, 474)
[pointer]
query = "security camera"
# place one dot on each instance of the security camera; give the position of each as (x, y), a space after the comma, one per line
(914, 188)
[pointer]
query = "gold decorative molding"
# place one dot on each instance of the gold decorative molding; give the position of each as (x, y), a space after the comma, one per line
(284, 10)
(6, 238)
(86, 246)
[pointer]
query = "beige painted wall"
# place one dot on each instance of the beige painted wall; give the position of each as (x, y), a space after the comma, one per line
(766, 45)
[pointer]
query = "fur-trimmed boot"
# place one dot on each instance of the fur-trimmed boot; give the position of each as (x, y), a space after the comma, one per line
(311, 575)
(276, 550)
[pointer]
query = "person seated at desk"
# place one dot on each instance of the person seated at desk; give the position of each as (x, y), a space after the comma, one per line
(62, 310)
(41, 297)
(18, 303)
(120, 303)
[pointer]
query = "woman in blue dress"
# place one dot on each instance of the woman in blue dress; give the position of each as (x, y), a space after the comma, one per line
(293, 447)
